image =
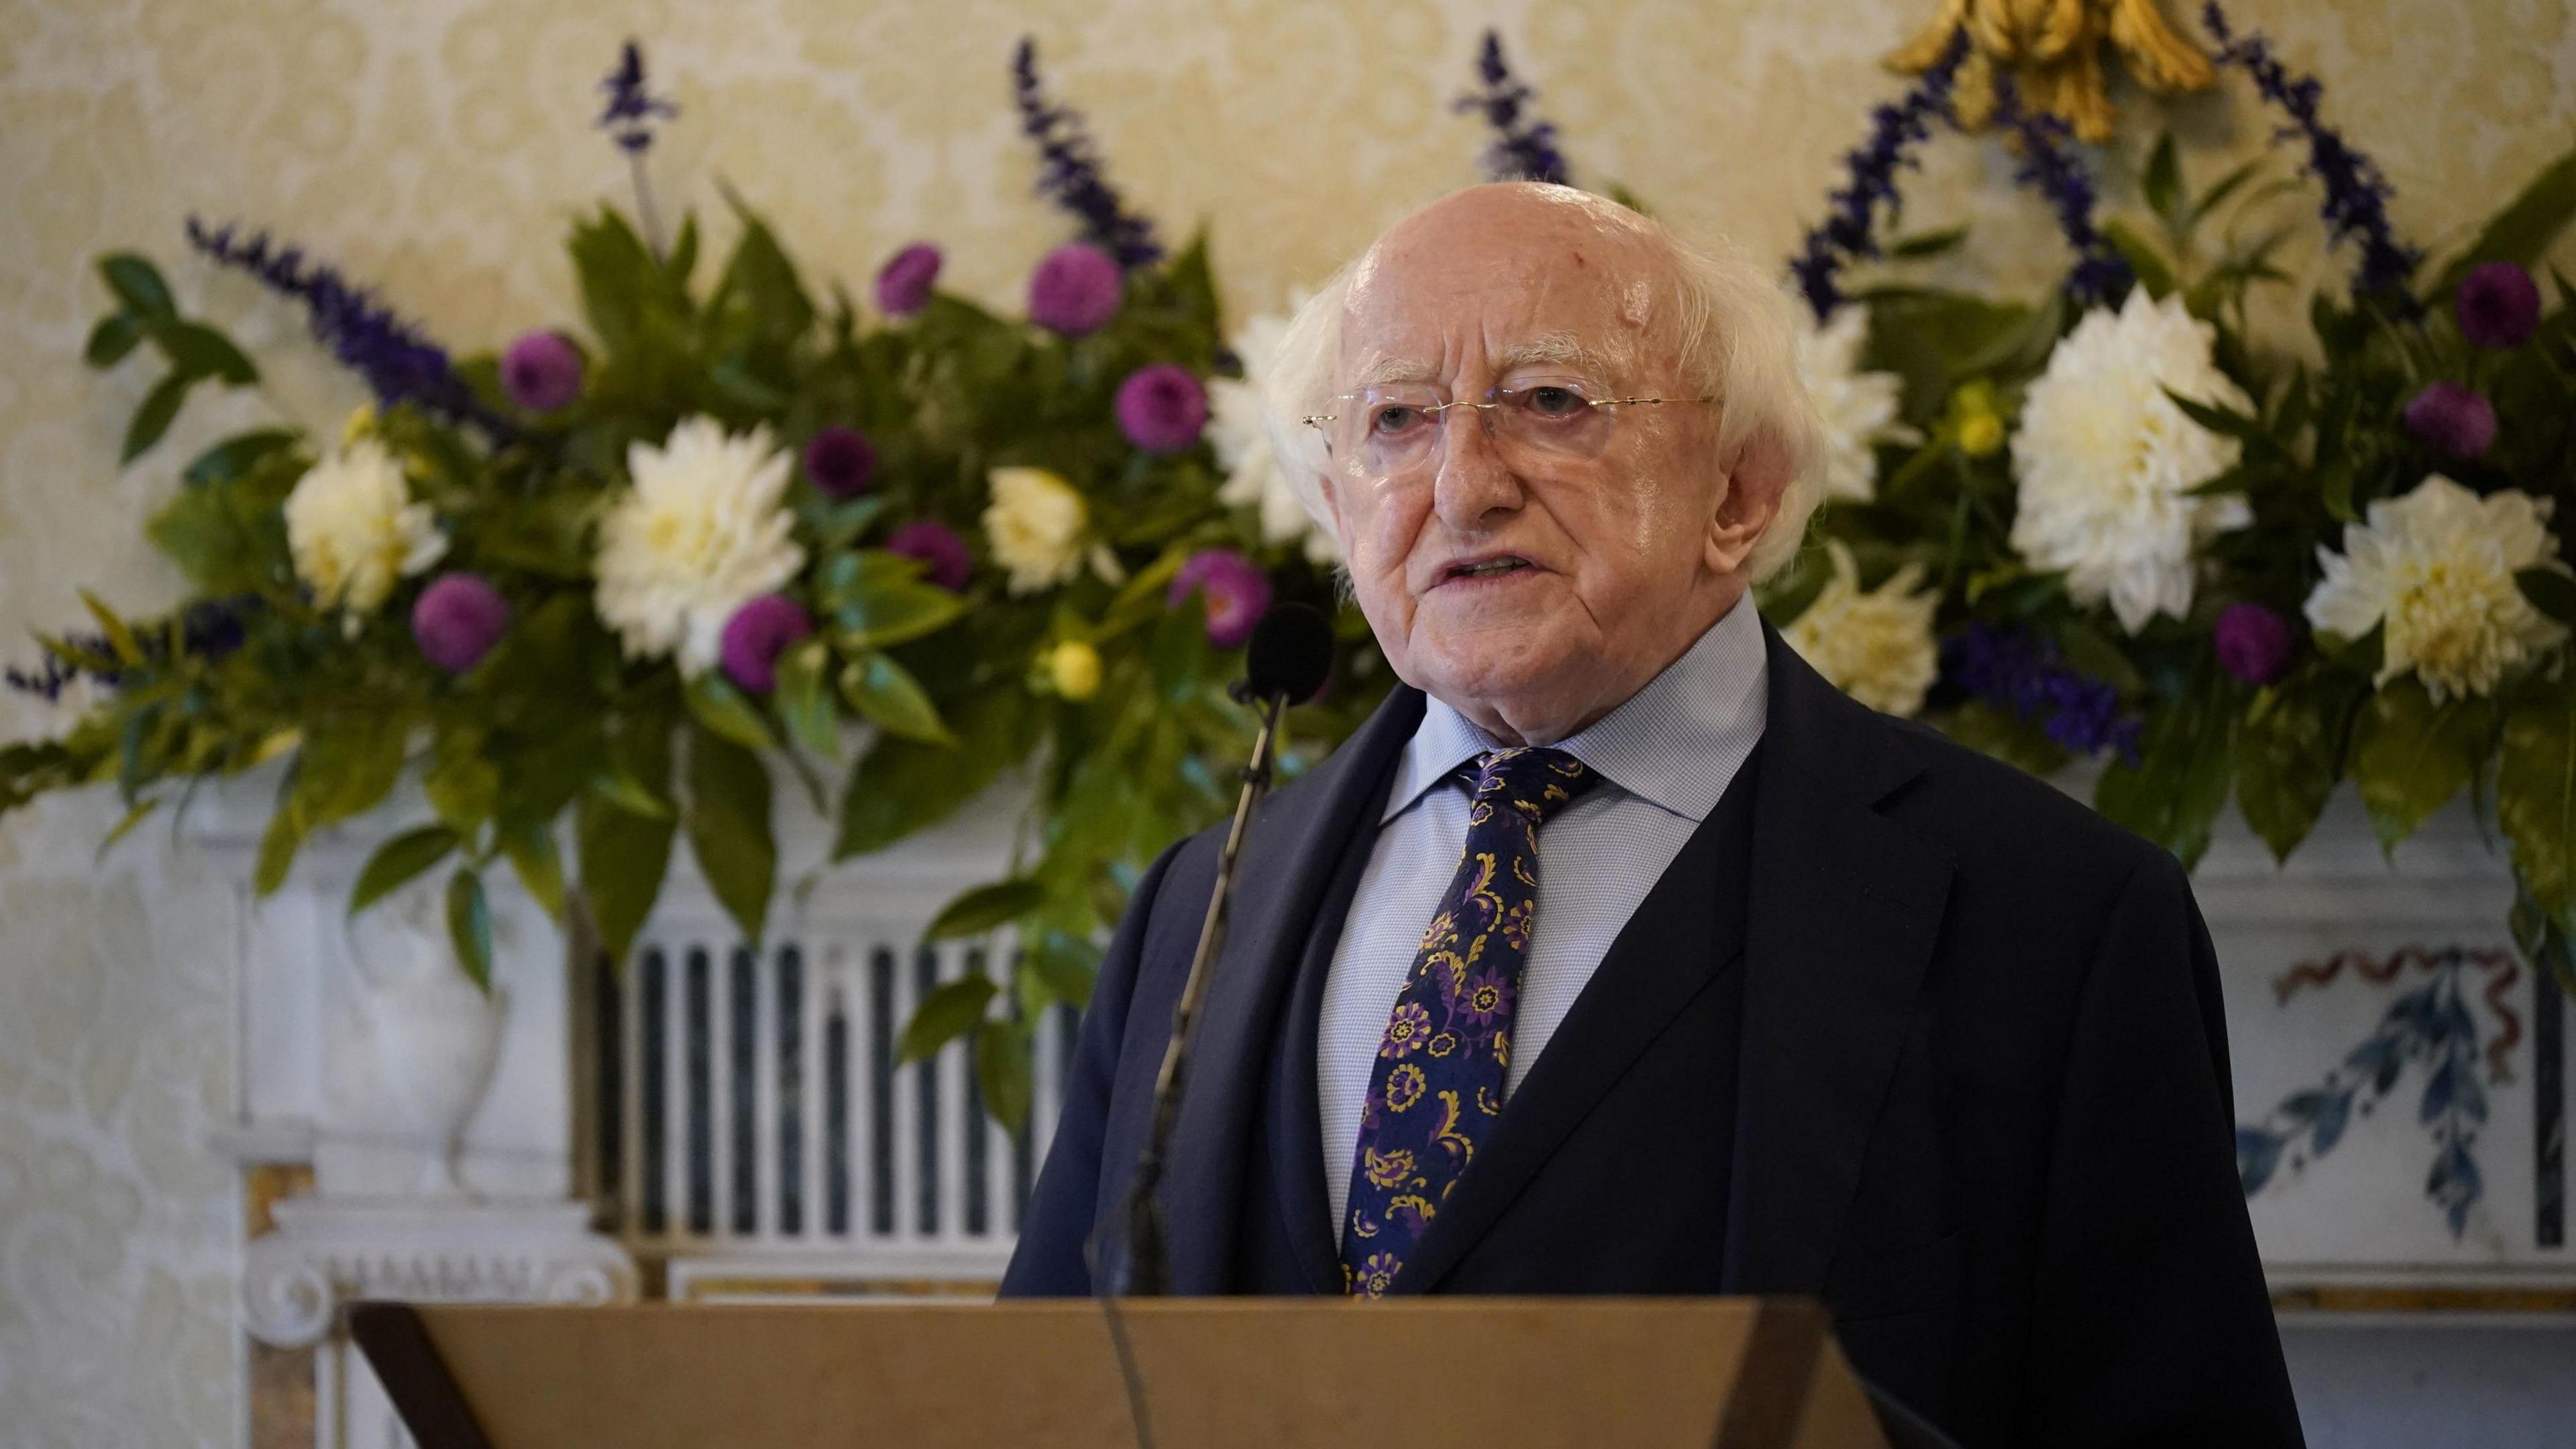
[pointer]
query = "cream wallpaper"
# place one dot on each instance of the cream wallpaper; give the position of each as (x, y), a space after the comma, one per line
(440, 147)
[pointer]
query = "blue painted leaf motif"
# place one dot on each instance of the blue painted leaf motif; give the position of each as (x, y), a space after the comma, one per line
(2331, 1118)
(2257, 1154)
(2438, 1091)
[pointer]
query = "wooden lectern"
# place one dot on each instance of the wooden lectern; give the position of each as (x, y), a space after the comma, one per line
(1736, 1373)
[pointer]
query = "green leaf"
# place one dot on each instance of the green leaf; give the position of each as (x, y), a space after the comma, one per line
(1066, 964)
(2410, 756)
(619, 280)
(2536, 796)
(625, 852)
(886, 694)
(137, 283)
(947, 1013)
(201, 351)
(759, 296)
(152, 419)
(728, 825)
(236, 455)
(534, 857)
(2551, 591)
(2217, 419)
(119, 637)
(462, 783)
(877, 600)
(1002, 1070)
(722, 708)
(2186, 763)
(2524, 229)
(902, 785)
(2225, 187)
(986, 908)
(805, 701)
(283, 837)
(627, 793)
(1927, 244)
(2091, 652)
(469, 925)
(2154, 272)
(399, 860)
(2290, 753)
(113, 337)
(2162, 183)
(348, 763)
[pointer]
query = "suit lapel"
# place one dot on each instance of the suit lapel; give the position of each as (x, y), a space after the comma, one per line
(1289, 857)
(1687, 931)
(1844, 912)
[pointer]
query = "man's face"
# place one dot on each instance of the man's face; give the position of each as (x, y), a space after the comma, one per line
(1532, 588)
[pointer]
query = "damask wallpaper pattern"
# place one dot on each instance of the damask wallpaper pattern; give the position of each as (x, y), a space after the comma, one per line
(441, 147)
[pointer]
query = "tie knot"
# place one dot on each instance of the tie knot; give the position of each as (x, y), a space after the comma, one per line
(1534, 781)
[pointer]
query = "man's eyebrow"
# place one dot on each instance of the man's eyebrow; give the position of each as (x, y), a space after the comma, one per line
(1385, 369)
(1560, 349)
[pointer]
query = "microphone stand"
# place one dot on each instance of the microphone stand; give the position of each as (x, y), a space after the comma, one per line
(1145, 1271)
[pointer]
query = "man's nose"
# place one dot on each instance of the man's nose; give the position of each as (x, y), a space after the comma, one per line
(1474, 482)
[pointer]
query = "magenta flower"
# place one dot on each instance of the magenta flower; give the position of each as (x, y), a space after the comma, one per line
(1238, 593)
(937, 545)
(1162, 408)
(458, 619)
(2254, 644)
(2498, 305)
(2449, 418)
(903, 287)
(542, 371)
(840, 462)
(757, 634)
(1075, 290)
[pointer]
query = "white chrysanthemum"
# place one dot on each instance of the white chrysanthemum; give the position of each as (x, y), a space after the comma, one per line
(1857, 408)
(703, 531)
(2107, 462)
(1875, 646)
(1253, 477)
(1035, 525)
(2436, 566)
(354, 530)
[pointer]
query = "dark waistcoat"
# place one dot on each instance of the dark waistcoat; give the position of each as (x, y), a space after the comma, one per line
(1668, 1119)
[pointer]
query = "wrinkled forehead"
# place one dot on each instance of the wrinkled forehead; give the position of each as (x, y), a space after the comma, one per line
(1451, 301)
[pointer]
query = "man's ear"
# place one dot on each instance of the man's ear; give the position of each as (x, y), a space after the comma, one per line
(1757, 472)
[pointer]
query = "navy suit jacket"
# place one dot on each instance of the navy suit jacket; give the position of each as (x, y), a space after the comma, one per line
(1967, 1032)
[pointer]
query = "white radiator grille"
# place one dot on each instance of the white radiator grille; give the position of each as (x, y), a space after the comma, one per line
(749, 1105)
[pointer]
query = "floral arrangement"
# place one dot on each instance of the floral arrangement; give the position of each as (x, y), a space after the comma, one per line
(601, 589)
(2107, 523)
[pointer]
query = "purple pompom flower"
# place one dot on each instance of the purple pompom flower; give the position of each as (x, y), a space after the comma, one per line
(2499, 306)
(1162, 408)
(1238, 593)
(756, 635)
(840, 462)
(2254, 644)
(458, 619)
(903, 286)
(2449, 418)
(542, 372)
(937, 545)
(1075, 290)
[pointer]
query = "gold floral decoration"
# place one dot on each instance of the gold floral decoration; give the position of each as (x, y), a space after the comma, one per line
(2053, 49)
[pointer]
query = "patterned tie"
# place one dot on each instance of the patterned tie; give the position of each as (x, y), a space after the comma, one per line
(1438, 1082)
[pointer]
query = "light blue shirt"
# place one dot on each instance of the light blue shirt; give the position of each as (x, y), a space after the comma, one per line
(1665, 757)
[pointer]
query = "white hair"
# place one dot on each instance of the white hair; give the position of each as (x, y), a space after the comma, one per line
(1738, 342)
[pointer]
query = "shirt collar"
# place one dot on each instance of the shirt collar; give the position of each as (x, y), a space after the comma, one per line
(1675, 744)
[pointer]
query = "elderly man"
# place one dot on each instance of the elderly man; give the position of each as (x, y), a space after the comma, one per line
(1618, 953)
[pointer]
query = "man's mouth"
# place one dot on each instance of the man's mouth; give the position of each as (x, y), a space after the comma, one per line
(1488, 568)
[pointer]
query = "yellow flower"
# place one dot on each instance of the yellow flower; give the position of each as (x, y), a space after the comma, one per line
(1074, 668)
(1876, 646)
(353, 529)
(1035, 524)
(362, 421)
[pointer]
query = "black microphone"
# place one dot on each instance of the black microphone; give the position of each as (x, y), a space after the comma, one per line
(1290, 653)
